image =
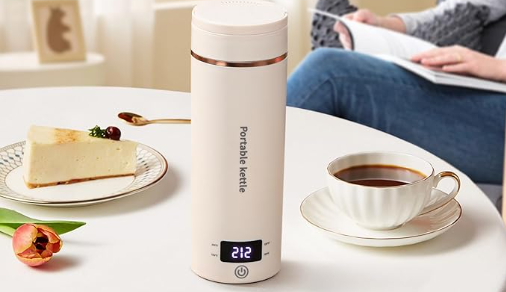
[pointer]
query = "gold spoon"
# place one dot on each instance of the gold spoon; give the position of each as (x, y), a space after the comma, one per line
(138, 120)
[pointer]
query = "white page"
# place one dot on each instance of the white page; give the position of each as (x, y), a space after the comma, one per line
(375, 40)
(440, 77)
(501, 53)
(410, 66)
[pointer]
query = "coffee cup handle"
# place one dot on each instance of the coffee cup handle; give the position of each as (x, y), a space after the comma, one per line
(444, 199)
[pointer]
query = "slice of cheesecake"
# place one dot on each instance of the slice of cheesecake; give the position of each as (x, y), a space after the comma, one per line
(60, 156)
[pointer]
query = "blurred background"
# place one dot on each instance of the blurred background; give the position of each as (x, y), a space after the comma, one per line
(139, 43)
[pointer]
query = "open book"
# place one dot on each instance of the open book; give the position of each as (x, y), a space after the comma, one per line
(398, 48)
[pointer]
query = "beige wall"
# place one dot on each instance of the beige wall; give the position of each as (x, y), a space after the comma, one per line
(171, 65)
(384, 7)
(172, 34)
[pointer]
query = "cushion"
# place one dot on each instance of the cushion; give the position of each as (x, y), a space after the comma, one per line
(494, 193)
(322, 30)
(493, 35)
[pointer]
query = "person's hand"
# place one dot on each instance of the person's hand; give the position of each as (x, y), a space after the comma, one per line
(461, 60)
(362, 15)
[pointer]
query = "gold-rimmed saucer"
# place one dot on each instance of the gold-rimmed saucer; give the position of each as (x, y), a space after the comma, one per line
(151, 168)
(321, 212)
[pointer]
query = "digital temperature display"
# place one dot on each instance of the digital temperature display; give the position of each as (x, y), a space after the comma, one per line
(241, 252)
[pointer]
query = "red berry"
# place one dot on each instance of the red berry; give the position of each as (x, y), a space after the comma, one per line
(113, 133)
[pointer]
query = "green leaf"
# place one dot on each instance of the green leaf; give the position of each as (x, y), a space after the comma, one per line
(7, 230)
(10, 220)
(97, 132)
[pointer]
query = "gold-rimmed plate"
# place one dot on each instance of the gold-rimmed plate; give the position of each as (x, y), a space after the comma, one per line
(151, 167)
(321, 212)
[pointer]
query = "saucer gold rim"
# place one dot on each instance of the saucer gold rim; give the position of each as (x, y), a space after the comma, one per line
(375, 238)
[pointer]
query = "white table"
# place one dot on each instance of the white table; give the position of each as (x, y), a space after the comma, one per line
(142, 242)
(22, 69)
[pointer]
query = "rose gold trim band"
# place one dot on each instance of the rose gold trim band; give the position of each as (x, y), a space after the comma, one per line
(240, 64)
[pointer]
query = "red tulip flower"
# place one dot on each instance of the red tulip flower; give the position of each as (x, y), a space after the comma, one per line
(35, 244)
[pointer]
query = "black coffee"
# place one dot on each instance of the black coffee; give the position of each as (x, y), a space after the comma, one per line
(379, 175)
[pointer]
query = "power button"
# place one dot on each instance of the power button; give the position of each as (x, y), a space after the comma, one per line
(241, 272)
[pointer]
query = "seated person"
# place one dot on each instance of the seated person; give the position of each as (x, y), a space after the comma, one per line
(465, 127)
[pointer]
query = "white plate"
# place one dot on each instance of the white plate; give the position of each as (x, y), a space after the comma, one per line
(319, 210)
(151, 167)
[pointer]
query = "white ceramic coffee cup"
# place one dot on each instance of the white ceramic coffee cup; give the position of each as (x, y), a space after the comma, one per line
(385, 208)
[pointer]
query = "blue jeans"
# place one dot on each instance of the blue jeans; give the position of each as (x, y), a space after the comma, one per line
(462, 126)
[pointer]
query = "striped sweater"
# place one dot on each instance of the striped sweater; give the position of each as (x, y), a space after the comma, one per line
(460, 12)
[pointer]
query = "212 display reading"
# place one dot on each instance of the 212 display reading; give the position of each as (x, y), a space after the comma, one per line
(241, 252)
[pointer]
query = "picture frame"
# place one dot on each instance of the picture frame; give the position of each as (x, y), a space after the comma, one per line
(57, 31)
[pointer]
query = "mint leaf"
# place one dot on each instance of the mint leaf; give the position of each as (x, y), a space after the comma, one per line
(97, 132)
